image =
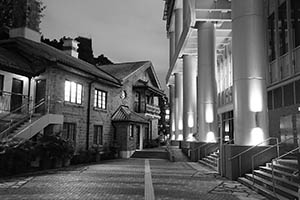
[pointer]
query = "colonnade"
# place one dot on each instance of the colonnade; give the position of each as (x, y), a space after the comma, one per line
(193, 93)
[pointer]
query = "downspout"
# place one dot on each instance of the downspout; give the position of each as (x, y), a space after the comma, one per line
(29, 87)
(88, 115)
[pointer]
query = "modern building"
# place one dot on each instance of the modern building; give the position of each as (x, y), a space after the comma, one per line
(234, 75)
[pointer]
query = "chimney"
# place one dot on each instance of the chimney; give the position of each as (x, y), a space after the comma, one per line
(26, 16)
(70, 47)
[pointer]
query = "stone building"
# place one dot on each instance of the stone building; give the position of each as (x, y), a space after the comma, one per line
(46, 90)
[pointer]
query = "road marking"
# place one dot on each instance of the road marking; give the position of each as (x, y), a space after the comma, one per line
(149, 191)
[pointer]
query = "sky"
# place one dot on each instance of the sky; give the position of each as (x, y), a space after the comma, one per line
(122, 30)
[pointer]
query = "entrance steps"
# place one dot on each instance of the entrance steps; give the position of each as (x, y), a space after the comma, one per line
(286, 180)
(211, 160)
(148, 153)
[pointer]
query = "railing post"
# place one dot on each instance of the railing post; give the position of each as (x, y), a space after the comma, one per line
(48, 107)
(240, 165)
(277, 147)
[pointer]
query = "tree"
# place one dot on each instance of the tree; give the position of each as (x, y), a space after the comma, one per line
(21, 13)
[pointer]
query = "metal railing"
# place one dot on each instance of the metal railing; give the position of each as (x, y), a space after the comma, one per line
(265, 150)
(6, 98)
(202, 146)
(247, 150)
(26, 116)
(275, 160)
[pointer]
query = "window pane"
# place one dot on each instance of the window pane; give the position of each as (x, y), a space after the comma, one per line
(95, 99)
(288, 94)
(270, 100)
(73, 92)
(297, 87)
(271, 36)
(277, 98)
(79, 93)
(282, 28)
(67, 90)
(295, 8)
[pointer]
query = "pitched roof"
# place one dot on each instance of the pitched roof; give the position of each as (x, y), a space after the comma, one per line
(123, 70)
(124, 114)
(34, 51)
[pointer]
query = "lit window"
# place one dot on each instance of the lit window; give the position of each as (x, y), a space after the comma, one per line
(100, 99)
(73, 92)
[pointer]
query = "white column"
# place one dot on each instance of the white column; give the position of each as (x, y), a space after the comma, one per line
(249, 64)
(207, 90)
(189, 96)
(178, 24)
(179, 104)
(172, 45)
(172, 111)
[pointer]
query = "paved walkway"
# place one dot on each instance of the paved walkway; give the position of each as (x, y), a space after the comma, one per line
(126, 179)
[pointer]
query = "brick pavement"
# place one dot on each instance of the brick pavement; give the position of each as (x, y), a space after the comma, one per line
(125, 179)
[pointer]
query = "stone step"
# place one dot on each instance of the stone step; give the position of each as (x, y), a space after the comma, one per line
(283, 191)
(282, 174)
(213, 167)
(280, 167)
(151, 154)
(260, 189)
(293, 163)
(278, 180)
(211, 162)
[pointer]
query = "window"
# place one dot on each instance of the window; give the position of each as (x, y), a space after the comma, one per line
(98, 135)
(100, 100)
(271, 36)
(277, 94)
(73, 92)
(1, 84)
(131, 127)
(297, 89)
(270, 100)
(295, 8)
(282, 29)
(288, 94)
(69, 132)
(137, 102)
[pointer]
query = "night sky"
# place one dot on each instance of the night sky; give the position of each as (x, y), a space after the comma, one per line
(122, 30)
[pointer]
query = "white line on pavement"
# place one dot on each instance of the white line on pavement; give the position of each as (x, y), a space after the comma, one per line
(149, 191)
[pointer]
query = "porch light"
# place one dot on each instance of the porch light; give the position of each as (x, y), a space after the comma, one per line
(190, 138)
(210, 137)
(299, 109)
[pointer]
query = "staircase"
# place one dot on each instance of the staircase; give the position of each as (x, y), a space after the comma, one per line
(28, 127)
(211, 160)
(286, 179)
(157, 154)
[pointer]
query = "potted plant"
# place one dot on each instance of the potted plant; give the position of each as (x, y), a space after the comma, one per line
(67, 152)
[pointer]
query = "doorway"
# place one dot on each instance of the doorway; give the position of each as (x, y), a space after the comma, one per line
(16, 96)
(40, 94)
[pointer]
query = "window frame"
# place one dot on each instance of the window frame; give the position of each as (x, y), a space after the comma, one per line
(69, 97)
(69, 131)
(98, 135)
(103, 102)
(1, 84)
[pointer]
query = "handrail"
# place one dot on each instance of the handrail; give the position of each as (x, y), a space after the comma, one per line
(245, 151)
(206, 143)
(275, 160)
(29, 114)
